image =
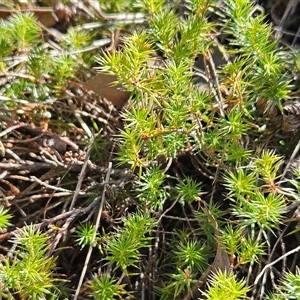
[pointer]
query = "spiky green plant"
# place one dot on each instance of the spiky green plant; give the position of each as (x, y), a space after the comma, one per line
(123, 247)
(29, 273)
(223, 285)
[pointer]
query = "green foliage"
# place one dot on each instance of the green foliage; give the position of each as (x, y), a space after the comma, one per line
(30, 272)
(254, 203)
(38, 63)
(168, 117)
(289, 288)
(224, 285)
(172, 126)
(187, 258)
(76, 41)
(85, 233)
(166, 132)
(247, 249)
(188, 191)
(63, 68)
(23, 31)
(190, 255)
(123, 247)
(150, 188)
(133, 61)
(207, 229)
(103, 287)
(44, 71)
(4, 218)
(253, 42)
(119, 6)
(5, 44)
(181, 280)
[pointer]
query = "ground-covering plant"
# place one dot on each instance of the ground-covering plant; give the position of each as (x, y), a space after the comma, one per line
(226, 125)
(28, 271)
(204, 214)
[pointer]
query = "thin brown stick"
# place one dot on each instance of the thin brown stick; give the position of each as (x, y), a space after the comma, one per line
(82, 172)
(88, 256)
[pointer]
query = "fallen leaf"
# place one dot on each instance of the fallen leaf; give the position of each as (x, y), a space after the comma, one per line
(45, 15)
(102, 85)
